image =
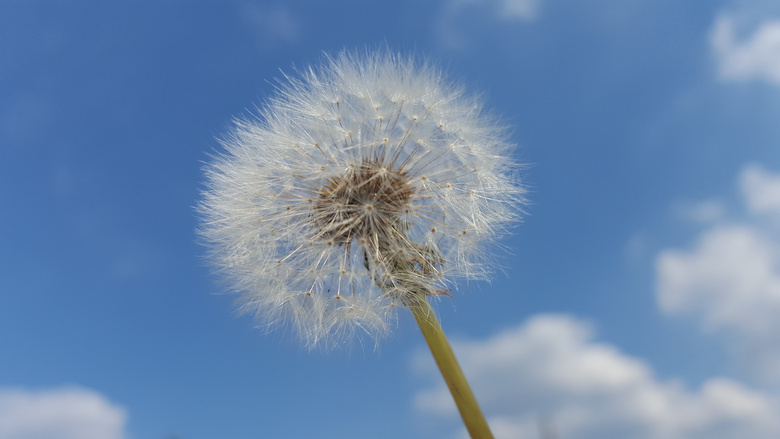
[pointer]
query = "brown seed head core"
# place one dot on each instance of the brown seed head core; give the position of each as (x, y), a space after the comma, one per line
(366, 201)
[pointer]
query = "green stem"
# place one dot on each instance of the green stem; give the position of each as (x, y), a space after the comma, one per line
(450, 369)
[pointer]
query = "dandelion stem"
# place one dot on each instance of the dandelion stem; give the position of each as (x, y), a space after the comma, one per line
(450, 369)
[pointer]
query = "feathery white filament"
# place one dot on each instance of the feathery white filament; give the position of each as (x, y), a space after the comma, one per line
(359, 185)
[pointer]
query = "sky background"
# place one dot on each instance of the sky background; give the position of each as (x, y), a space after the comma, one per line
(640, 297)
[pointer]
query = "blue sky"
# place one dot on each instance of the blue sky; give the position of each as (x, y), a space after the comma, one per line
(640, 297)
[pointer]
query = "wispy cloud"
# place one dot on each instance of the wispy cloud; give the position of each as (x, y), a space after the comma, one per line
(706, 211)
(272, 27)
(453, 24)
(68, 413)
(730, 278)
(550, 373)
(756, 56)
(517, 10)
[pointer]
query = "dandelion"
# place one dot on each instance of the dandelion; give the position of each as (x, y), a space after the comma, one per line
(364, 186)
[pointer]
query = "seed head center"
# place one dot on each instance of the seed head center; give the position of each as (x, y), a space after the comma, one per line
(366, 201)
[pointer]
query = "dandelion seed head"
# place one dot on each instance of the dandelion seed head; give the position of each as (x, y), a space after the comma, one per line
(327, 216)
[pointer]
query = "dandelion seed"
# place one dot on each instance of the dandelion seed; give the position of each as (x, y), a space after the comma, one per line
(331, 234)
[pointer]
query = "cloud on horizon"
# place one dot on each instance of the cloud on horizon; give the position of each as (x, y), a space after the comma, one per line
(65, 413)
(550, 370)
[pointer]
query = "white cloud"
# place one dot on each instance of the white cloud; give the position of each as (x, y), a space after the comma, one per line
(730, 279)
(549, 371)
(761, 190)
(68, 413)
(757, 57)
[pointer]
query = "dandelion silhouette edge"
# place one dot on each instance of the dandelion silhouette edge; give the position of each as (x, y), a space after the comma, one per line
(360, 186)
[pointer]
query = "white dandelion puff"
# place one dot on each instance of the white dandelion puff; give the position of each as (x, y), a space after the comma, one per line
(359, 187)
